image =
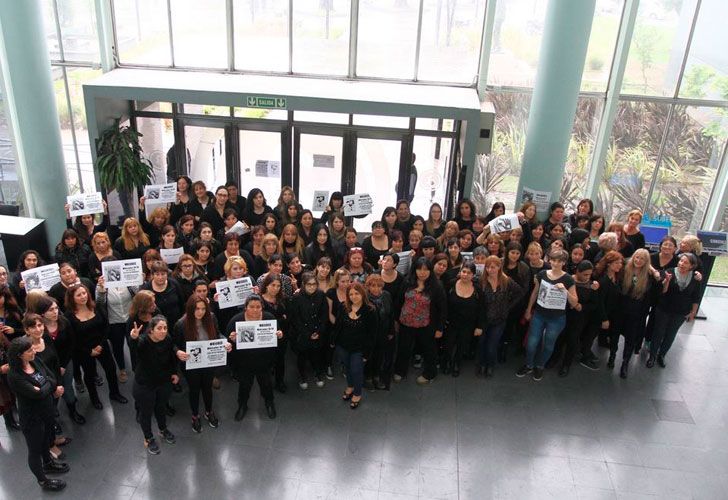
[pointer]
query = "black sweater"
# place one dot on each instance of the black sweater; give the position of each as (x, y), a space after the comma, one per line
(676, 301)
(34, 394)
(180, 342)
(156, 361)
(356, 335)
(90, 333)
(308, 314)
(170, 301)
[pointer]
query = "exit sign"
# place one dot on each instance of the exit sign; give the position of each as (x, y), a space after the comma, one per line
(266, 102)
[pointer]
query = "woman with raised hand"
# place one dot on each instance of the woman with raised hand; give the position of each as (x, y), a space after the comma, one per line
(154, 375)
(85, 225)
(29, 259)
(115, 303)
(353, 335)
(35, 386)
(133, 241)
(101, 249)
(91, 332)
(274, 302)
(69, 277)
(141, 311)
(73, 250)
(198, 324)
(337, 227)
(252, 364)
(153, 223)
(309, 318)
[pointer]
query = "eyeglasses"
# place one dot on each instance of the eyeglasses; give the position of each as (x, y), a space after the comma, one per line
(186, 265)
(311, 283)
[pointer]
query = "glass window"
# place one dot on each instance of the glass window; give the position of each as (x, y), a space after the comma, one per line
(387, 38)
(658, 45)
(78, 30)
(496, 175)
(581, 147)
(320, 117)
(706, 71)
(270, 114)
(630, 161)
(450, 42)
(382, 121)
(206, 109)
(260, 163)
(321, 37)
(433, 160)
(206, 154)
(10, 193)
(66, 123)
(261, 35)
(199, 33)
(688, 168)
(517, 33)
(433, 124)
(154, 107)
(157, 143)
(320, 165)
(76, 78)
(142, 32)
(602, 41)
(377, 168)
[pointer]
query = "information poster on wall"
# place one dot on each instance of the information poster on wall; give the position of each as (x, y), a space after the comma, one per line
(324, 161)
(542, 199)
(357, 204)
(319, 201)
(43, 277)
(268, 168)
(157, 194)
(206, 354)
(171, 255)
(232, 293)
(256, 334)
(122, 273)
(551, 297)
(504, 223)
(85, 204)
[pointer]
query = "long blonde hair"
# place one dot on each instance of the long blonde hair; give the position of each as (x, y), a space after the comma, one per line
(635, 281)
(126, 237)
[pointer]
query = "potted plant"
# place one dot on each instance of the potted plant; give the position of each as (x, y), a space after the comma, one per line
(120, 163)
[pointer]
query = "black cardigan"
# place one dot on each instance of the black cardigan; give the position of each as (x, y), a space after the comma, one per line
(35, 397)
(355, 335)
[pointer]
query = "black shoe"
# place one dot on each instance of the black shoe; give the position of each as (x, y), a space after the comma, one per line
(564, 371)
(196, 425)
(75, 415)
(240, 414)
(152, 446)
(270, 409)
(456, 370)
(52, 484)
(118, 398)
(97, 404)
(651, 362)
(98, 381)
(281, 387)
(523, 371)
(10, 422)
(610, 363)
(54, 467)
(589, 363)
(623, 369)
(171, 412)
(168, 436)
(661, 361)
(537, 374)
(488, 371)
(212, 420)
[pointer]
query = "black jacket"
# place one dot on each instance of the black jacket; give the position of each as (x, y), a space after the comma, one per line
(308, 314)
(156, 361)
(355, 335)
(254, 360)
(34, 394)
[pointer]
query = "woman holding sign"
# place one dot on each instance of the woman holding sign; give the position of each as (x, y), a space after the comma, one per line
(198, 325)
(553, 288)
(253, 362)
(30, 259)
(133, 241)
(156, 367)
(74, 251)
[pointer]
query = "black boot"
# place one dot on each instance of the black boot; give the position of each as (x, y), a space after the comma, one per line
(623, 369)
(270, 409)
(10, 421)
(75, 415)
(612, 357)
(240, 414)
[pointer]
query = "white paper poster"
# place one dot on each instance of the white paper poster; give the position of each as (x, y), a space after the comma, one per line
(404, 263)
(206, 354)
(157, 194)
(171, 255)
(268, 168)
(122, 273)
(467, 256)
(357, 204)
(479, 270)
(43, 277)
(256, 334)
(85, 204)
(324, 161)
(542, 199)
(504, 223)
(233, 293)
(319, 201)
(550, 297)
(240, 228)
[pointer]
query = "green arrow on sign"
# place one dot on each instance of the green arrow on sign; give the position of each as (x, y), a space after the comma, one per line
(266, 102)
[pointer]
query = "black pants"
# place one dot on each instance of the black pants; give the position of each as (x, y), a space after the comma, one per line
(667, 325)
(152, 400)
(117, 334)
(280, 362)
(38, 437)
(245, 383)
(106, 360)
(632, 327)
(422, 339)
(568, 342)
(457, 344)
(200, 380)
(313, 356)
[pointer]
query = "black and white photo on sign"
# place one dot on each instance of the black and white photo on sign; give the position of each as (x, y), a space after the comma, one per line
(240, 228)
(551, 296)
(233, 293)
(405, 261)
(122, 273)
(43, 277)
(85, 204)
(160, 193)
(206, 354)
(268, 168)
(256, 334)
(504, 223)
(319, 201)
(542, 199)
(357, 204)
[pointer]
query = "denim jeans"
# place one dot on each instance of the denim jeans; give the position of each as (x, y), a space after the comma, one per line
(542, 329)
(354, 366)
(488, 343)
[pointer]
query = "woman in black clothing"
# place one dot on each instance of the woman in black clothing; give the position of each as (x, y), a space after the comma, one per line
(336, 204)
(421, 321)
(517, 270)
(208, 236)
(498, 209)
(389, 220)
(378, 369)
(10, 315)
(255, 208)
(353, 336)
(253, 363)
(294, 269)
(463, 305)
(309, 317)
(186, 232)
(35, 387)
(465, 214)
(29, 259)
(608, 272)
(181, 207)
(274, 303)
(198, 325)
(214, 213)
(156, 367)
(168, 293)
(305, 227)
(204, 259)
(393, 279)
(74, 251)
(632, 230)
(187, 274)
(678, 303)
(665, 258)
(85, 225)
(143, 308)
(69, 277)
(91, 332)
(500, 295)
(376, 245)
(133, 242)
(153, 223)
(101, 249)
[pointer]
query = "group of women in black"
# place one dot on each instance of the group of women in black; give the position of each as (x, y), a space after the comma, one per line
(416, 292)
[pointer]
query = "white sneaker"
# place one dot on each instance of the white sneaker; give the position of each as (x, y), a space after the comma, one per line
(319, 382)
(303, 385)
(397, 378)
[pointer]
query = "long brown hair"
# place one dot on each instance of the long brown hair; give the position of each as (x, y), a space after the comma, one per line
(71, 291)
(190, 322)
(141, 303)
(502, 277)
(610, 257)
(12, 309)
(364, 296)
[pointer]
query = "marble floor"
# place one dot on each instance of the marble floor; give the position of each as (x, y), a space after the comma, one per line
(663, 433)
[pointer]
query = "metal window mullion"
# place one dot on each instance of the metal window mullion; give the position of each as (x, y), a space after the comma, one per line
(115, 35)
(419, 40)
(73, 129)
(290, 37)
(59, 36)
(486, 42)
(169, 29)
(353, 37)
(718, 200)
(686, 54)
(230, 22)
(660, 156)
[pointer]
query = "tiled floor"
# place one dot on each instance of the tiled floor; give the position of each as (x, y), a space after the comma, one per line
(659, 434)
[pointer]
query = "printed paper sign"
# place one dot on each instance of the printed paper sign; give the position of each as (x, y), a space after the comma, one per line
(319, 201)
(550, 297)
(268, 168)
(504, 223)
(714, 243)
(404, 263)
(467, 256)
(256, 334)
(357, 204)
(233, 293)
(240, 228)
(324, 161)
(43, 277)
(542, 199)
(85, 204)
(171, 255)
(157, 194)
(206, 354)
(122, 273)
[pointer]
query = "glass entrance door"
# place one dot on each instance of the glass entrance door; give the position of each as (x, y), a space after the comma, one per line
(261, 163)
(377, 171)
(318, 164)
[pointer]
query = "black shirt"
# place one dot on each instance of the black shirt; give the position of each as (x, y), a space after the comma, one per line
(156, 361)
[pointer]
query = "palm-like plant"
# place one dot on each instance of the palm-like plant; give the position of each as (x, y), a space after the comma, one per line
(119, 160)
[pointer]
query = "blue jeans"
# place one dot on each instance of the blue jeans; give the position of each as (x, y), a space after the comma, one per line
(354, 365)
(488, 343)
(546, 330)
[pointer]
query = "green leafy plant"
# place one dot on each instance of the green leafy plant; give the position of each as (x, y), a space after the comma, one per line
(119, 159)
